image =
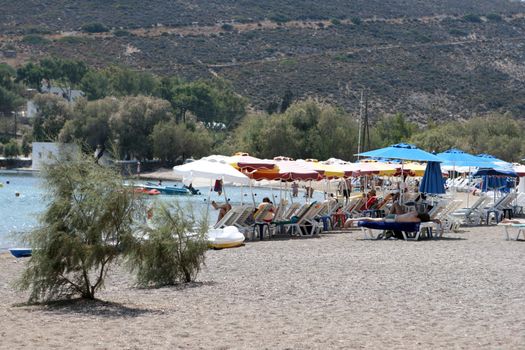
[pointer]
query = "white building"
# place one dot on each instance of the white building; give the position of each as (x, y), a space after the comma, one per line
(49, 152)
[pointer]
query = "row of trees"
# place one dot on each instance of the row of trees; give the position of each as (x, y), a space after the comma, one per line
(168, 118)
(210, 102)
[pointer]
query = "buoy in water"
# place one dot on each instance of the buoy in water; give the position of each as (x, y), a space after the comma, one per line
(17, 194)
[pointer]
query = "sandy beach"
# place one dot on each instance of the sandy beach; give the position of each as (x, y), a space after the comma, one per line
(466, 291)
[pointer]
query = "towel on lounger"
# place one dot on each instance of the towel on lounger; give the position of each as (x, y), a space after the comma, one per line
(393, 226)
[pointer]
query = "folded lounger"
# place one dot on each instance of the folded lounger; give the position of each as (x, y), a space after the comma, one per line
(410, 230)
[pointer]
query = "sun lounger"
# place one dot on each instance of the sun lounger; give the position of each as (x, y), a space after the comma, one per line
(411, 231)
(520, 227)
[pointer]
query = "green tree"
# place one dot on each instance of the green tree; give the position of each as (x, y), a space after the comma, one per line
(134, 122)
(173, 140)
(31, 75)
(89, 222)
(174, 250)
(90, 123)
(95, 85)
(392, 129)
(52, 113)
(11, 149)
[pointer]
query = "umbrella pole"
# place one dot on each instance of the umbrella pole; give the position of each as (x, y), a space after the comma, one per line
(468, 186)
(402, 188)
(251, 190)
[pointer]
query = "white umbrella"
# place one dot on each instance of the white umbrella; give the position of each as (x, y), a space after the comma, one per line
(212, 168)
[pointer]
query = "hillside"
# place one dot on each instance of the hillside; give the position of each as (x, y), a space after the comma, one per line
(440, 59)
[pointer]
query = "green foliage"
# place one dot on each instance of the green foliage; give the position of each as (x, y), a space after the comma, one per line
(394, 129)
(70, 39)
(494, 17)
(34, 39)
(26, 144)
(171, 141)
(499, 135)
(52, 113)
(90, 123)
(96, 85)
(173, 248)
(126, 82)
(357, 20)
(227, 27)
(9, 100)
(11, 149)
(472, 18)
(94, 28)
(335, 21)
(121, 33)
(307, 129)
(134, 122)
(213, 101)
(63, 73)
(87, 225)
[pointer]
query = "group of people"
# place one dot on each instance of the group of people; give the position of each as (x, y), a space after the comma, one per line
(266, 205)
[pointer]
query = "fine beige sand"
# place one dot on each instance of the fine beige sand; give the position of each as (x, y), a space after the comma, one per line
(466, 291)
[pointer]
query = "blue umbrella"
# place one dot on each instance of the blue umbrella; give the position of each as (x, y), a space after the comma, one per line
(496, 172)
(402, 151)
(432, 182)
(498, 162)
(456, 157)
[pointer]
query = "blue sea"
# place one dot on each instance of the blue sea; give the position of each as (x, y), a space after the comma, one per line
(20, 214)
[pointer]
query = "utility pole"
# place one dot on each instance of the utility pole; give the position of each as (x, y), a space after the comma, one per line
(359, 126)
(366, 126)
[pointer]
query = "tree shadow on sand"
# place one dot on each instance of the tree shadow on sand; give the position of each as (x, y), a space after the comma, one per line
(89, 307)
(179, 287)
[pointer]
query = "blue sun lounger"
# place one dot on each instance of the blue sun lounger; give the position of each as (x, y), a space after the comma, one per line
(411, 230)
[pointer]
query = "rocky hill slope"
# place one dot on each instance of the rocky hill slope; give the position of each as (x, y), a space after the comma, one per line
(429, 59)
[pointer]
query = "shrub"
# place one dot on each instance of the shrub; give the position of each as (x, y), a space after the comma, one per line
(173, 251)
(472, 18)
(72, 40)
(34, 39)
(227, 27)
(94, 28)
(357, 20)
(335, 21)
(121, 33)
(11, 149)
(88, 224)
(494, 17)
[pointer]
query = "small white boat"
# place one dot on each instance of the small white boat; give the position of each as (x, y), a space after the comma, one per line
(227, 237)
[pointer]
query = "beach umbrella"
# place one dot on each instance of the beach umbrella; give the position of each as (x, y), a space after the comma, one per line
(495, 172)
(287, 170)
(496, 161)
(519, 170)
(248, 163)
(213, 168)
(402, 151)
(325, 170)
(457, 158)
(432, 182)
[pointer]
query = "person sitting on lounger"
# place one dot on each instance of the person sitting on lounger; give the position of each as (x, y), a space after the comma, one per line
(223, 209)
(412, 216)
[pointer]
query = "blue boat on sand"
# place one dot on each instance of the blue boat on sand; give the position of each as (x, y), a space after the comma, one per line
(21, 252)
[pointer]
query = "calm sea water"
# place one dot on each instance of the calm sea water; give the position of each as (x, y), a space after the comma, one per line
(20, 214)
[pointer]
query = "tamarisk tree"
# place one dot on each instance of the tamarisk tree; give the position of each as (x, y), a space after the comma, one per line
(88, 224)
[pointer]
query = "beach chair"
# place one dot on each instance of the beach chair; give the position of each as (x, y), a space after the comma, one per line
(520, 229)
(473, 214)
(259, 222)
(304, 224)
(230, 217)
(496, 210)
(245, 220)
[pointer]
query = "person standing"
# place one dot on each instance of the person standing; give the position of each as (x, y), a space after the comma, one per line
(295, 189)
